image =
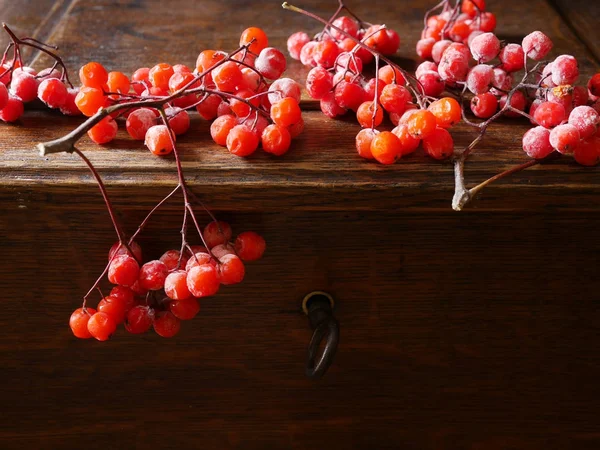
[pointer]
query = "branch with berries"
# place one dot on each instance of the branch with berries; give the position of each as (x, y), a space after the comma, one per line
(469, 74)
(249, 105)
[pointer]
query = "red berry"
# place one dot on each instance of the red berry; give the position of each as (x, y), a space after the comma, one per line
(123, 270)
(368, 116)
(564, 138)
(536, 45)
(203, 281)
(101, 326)
(166, 324)
(512, 58)
(115, 309)
(172, 259)
(363, 142)
(220, 128)
(152, 275)
(295, 43)
(447, 112)
(120, 249)
(286, 112)
(93, 75)
(586, 120)
(276, 139)
(52, 92)
(179, 120)
(485, 47)
(216, 233)
(385, 147)
(176, 286)
(484, 105)
(587, 153)
(139, 319)
(270, 63)
(198, 259)
(549, 114)
(123, 295)
(250, 246)
(231, 270)
(185, 310)
(139, 122)
(13, 109)
(565, 70)
(242, 141)
(158, 140)
(536, 143)
(79, 322)
(439, 144)
(258, 35)
(104, 131)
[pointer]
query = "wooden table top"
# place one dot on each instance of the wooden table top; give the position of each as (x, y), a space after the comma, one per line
(322, 170)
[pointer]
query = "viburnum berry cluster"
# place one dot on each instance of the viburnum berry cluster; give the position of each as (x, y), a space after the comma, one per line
(339, 54)
(20, 84)
(468, 70)
(250, 104)
(161, 293)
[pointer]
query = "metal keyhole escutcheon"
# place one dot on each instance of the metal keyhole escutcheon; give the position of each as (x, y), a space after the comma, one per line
(319, 306)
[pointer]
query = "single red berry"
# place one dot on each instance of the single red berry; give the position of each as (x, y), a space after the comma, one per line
(79, 322)
(185, 310)
(536, 143)
(216, 233)
(123, 270)
(439, 144)
(250, 246)
(101, 326)
(231, 270)
(139, 319)
(104, 131)
(176, 286)
(173, 260)
(166, 324)
(93, 75)
(203, 281)
(123, 295)
(53, 93)
(112, 307)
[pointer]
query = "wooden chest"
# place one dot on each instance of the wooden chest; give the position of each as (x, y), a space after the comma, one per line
(470, 330)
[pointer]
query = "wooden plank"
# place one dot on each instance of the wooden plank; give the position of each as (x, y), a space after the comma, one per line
(322, 170)
(33, 18)
(476, 332)
(583, 20)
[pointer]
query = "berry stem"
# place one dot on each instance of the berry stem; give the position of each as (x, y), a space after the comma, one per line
(104, 193)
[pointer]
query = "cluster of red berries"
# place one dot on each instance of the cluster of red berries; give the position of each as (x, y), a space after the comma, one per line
(163, 292)
(21, 84)
(337, 80)
(243, 94)
(459, 23)
(565, 122)
(567, 116)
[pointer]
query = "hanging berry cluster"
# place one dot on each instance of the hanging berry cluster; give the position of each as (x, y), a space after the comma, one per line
(163, 292)
(468, 70)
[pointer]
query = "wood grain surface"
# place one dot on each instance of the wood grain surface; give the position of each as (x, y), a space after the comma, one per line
(475, 331)
(582, 17)
(322, 170)
(471, 331)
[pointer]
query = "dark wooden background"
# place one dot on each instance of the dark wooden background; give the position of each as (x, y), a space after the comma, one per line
(474, 330)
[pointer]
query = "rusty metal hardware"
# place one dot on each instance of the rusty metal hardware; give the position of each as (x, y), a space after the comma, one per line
(318, 306)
